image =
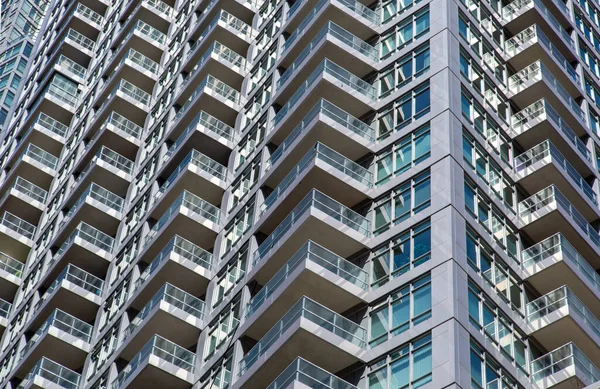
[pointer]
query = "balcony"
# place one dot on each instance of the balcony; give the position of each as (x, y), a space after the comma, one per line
(34, 165)
(59, 96)
(314, 272)
(535, 81)
(46, 132)
(197, 174)
(533, 43)
(190, 217)
(352, 15)
(558, 313)
(333, 83)
(47, 374)
(5, 307)
(220, 61)
(78, 47)
(208, 135)
(564, 368)
(323, 169)
(108, 169)
(160, 363)
(70, 68)
(16, 235)
(548, 212)
(171, 313)
(146, 40)
(25, 199)
(127, 97)
(86, 248)
(332, 41)
(116, 133)
(520, 14)
(544, 165)
(219, 99)
(555, 261)
(318, 218)
(62, 338)
(539, 122)
(302, 373)
(225, 28)
(11, 274)
(180, 263)
(310, 331)
(157, 13)
(87, 21)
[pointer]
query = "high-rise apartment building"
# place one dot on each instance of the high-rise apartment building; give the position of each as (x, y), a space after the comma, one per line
(342, 194)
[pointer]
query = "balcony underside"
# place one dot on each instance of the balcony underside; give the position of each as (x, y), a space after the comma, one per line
(215, 66)
(116, 140)
(14, 244)
(105, 175)
(98, 215)
(158, 373)
(82, 255)
(223, 34)
(9, 284)
(23, 206)
(203, 140)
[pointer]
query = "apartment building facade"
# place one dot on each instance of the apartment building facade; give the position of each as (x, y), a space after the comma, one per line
(311, 193)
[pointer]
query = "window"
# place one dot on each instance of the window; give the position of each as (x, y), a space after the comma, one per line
(244, 183)
(238, 226)
(497, 327)
(409, 366)
(404, 32)
(219, 375)
(401, 310)
(402, 112)
(402, 253)
(486, 372)
(404, 70)
(403, 154)
(392, 8)
(230, 275)
(223, 326)
(494, 271)
(479, 160)
(490, 218)
(404, 201)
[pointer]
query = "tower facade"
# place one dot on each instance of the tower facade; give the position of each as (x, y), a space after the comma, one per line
(335, 194)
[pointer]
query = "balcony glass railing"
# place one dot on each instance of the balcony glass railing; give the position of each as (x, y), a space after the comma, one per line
(143, 61)
(322, 153)
(198, 160)
(89, 14)
(30, 189)
(18, 225)
(308, 375)
(5, 307)
(537, 71)
(336, 71)
(64, 322)
(325, 108)
(123, 124)
(352, 5)
(193, 203)
(214, 86)
(52, 125)
(319, 201)
(318, 314)
(134, 92)
(181, 247)
(112, 158)
(11, 265)
(558, 245)
(78, 277)
(565, 357)
(90, 235)
(41, 156)
(173, 296)
(81, 39)
(552, 196)
(315, 253)
(71, 66)
(160, 6)
(222, 52)
(557, 299)
(534, 34)
(97, 193)
(53, 372)
(207, 121)
(547, 150)
(509, 11)
(163, 349)
(542, 110)
(150, 32)
(338, 33)
(63, 89)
